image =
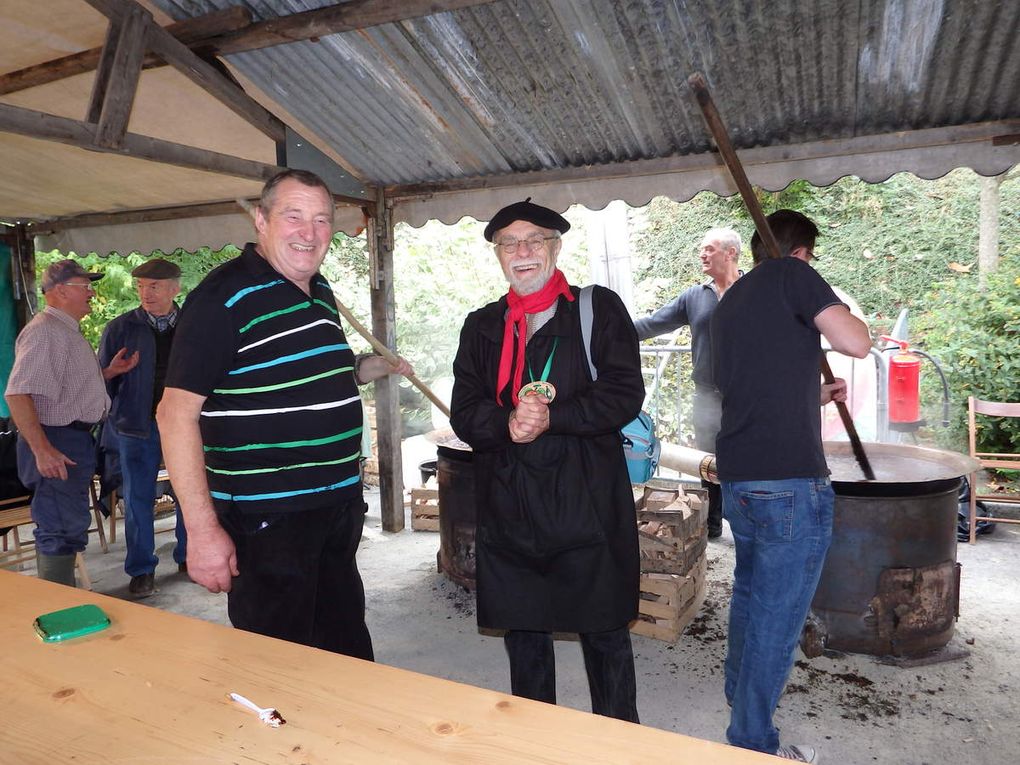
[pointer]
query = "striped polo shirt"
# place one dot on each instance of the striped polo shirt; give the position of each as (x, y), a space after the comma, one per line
(281, 423)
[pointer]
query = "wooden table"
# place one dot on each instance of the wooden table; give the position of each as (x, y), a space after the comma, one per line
(153, 689)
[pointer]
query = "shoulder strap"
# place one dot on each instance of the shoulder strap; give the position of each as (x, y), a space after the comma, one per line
(587, 319)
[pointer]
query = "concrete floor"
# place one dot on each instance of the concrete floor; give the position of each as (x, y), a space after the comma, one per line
(853, 708)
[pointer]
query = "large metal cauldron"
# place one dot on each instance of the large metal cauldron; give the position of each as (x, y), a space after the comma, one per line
(891, 584)
(457, 517)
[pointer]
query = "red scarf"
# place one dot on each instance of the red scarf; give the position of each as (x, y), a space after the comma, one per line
(519, 306)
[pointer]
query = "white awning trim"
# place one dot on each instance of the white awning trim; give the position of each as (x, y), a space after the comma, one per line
(927, 154)
(190, 234)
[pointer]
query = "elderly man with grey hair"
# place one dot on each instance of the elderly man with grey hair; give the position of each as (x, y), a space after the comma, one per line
(719, 253)
(57, 396)
(149, 331)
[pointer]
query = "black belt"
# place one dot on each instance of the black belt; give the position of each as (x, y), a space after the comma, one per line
(79, 425)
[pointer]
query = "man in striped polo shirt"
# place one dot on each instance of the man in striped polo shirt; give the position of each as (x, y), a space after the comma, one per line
(261, 424)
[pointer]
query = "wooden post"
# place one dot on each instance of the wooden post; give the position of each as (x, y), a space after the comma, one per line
(387, 389)
(988, 229)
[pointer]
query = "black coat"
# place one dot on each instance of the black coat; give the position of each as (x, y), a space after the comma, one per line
(556, 538)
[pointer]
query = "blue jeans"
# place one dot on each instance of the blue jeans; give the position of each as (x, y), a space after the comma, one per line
(60, 509)
(782, 531)
(139, 464)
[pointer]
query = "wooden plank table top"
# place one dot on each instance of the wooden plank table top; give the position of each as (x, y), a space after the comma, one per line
(153, 688)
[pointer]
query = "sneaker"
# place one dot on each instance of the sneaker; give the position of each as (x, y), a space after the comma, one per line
(798, 753)
(143, 585)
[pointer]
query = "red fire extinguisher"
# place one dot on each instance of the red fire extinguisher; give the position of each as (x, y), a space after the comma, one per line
(904, 374)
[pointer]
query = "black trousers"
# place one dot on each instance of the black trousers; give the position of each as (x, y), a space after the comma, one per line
(299, 580)
(714, 506)
(608, 662)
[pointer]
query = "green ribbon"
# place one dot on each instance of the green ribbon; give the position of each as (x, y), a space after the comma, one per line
(548, 364)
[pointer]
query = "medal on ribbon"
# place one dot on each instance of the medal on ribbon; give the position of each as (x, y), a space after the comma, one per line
(538, 388)
(541, 386)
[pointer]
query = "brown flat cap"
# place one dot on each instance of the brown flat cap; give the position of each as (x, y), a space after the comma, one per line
(526, 210)
(63, 271)
(157, 268)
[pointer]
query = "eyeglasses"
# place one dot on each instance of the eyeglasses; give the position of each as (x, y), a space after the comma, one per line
(86, 285)
(531, 243)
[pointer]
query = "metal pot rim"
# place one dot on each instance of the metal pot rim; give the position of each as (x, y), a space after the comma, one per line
(945, 465)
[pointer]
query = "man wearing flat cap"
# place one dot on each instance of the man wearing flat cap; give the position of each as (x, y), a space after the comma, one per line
(149, 332)
(556, 543)
(57, 396)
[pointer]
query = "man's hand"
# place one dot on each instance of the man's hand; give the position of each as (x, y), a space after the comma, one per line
(51, 462)
(373, 367)
(212, 559)
(530, 419)
(835, 391)
(120, 364)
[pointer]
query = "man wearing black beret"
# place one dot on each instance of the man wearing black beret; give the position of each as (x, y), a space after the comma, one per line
(148, 331)
(556, 543)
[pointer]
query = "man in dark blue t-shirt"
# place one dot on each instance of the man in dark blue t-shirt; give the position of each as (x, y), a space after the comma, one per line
(777, 497)
(261, 424)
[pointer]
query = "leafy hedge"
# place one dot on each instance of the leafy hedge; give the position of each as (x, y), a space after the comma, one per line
(886, 245)
(115, 293)
(975, 332)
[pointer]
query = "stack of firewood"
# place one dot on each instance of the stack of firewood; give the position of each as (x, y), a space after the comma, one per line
(672, 538)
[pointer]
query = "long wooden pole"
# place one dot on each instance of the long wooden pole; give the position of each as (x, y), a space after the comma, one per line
(387, 354)
(722, 140)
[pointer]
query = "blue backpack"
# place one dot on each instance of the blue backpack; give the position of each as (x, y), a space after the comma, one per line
(640, 446)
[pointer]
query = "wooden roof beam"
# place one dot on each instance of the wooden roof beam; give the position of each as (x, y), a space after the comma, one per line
(188, 31)
(116, 81)
(342, 17)
(207, 77)
(231, 31)
(49, 127)
(175, 212)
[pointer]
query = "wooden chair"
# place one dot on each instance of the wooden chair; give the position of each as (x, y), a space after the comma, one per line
(17, 512)
(1002, 461)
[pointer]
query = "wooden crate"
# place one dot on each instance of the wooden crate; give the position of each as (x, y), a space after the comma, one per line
(672, 533)
(425, 507)
(669, 602)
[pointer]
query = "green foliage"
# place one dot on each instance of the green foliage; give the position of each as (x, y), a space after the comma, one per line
(975, 332)
(115, 292)
(885, 245)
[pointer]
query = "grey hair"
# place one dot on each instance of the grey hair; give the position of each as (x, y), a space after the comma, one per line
(725, 237)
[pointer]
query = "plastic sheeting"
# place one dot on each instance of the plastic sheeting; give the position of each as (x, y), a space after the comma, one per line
(8, 324)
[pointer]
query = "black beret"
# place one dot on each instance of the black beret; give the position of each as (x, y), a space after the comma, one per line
(540, 216)
(157, 268)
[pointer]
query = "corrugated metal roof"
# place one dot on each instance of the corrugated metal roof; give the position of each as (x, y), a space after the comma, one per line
(524, 85)
(572, 101)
